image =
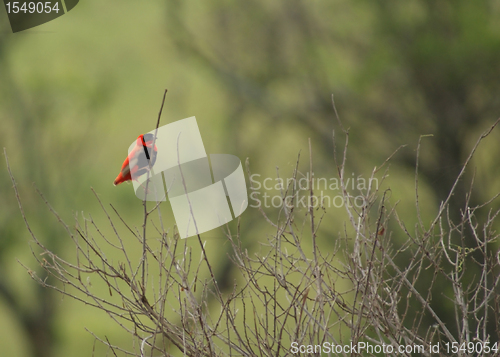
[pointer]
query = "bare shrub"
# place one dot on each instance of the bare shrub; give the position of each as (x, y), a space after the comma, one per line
(372, 288)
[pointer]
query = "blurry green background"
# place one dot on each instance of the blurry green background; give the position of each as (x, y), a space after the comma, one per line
(258, 75)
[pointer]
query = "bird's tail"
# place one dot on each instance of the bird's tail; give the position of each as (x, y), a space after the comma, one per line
(118, 180)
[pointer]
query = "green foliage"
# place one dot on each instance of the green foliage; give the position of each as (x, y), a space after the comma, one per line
(259, 77)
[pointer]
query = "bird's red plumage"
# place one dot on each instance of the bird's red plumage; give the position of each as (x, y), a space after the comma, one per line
(134, 157)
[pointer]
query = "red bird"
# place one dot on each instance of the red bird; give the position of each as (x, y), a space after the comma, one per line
(138, 161)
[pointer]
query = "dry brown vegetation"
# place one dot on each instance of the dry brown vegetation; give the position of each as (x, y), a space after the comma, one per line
(292, 289)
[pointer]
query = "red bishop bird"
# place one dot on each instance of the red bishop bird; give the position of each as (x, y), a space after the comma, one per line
(140, 159)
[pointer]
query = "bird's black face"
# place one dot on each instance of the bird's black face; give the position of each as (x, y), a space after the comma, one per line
(148, 137)
(147, 142)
